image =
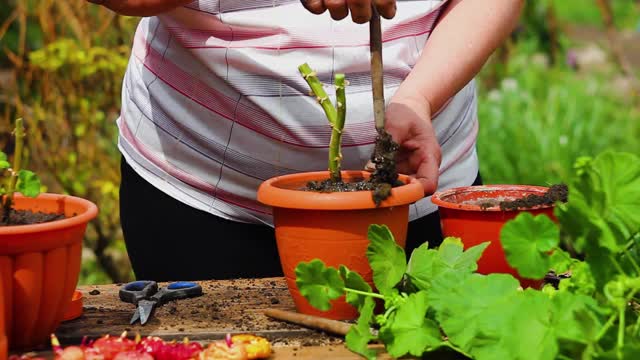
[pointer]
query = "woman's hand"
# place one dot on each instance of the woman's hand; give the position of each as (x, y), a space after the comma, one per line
(140, 7)
(360, 9)
(408, 120)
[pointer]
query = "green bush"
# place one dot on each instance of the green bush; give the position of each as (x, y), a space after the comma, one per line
(539, 120)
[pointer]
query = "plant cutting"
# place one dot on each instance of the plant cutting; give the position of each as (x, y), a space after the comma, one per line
(439, 303)
(40, 251)
(477, 214)
(326, 214)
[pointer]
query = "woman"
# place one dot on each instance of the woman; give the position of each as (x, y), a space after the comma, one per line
(213, 105)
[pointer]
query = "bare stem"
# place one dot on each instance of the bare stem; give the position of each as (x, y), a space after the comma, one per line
(335, 154)
(316, 87)
(335, 115)
(7, 201)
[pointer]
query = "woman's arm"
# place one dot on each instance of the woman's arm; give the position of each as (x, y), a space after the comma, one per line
(468, 32)
(140, 7)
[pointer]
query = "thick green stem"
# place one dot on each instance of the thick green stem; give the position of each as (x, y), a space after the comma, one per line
(335, 145)
(7, 201)
(335, 115)
(621, 324)
(316, 87)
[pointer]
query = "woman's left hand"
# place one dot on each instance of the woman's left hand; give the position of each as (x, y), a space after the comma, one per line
(360, 9)
(408, 121)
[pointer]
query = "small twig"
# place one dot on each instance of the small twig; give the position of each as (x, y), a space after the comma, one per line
(310, 321)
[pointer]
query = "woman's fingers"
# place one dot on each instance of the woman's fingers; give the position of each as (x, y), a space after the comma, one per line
(386, 8)
(360, 10)
(315, 6)
(337, 8)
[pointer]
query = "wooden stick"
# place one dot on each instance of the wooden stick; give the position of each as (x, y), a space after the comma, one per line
(310, 321)
(375, 47)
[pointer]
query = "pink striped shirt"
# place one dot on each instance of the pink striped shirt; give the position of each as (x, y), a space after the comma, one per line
(213, 103)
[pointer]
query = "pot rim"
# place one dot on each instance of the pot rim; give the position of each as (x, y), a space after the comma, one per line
(439, 197)
(90, 211)
(273, 193)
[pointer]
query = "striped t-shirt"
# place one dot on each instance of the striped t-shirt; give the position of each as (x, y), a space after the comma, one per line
(213, 103)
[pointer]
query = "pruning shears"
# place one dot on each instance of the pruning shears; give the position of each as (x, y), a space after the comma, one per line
(146, 296)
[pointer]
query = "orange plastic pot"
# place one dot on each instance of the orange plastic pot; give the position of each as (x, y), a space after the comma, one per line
(462, 216)
(40, 265)
(331, 227)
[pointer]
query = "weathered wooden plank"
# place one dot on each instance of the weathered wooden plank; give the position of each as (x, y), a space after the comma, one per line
(228, 306)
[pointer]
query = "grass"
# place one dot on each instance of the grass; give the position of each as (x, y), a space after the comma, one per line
(539, 120)
(626, 12)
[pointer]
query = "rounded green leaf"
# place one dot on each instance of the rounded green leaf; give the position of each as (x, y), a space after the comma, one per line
(319, 284)
(527, 241)
(386, 258)
(28, 183)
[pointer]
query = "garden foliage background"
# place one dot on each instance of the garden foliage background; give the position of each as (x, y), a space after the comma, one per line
(564, 85)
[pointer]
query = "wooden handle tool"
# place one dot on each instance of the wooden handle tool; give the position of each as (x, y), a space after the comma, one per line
(375, 47)
(314, 322)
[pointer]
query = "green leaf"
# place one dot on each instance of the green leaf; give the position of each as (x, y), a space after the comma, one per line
(319, 284)
(427, 264)
(576, 317)
(360, 335)
(28, 183)
(527, 241)
(4, 163)
(386, 258)
(353, 280)
(488, 318)
(459, 305)
(604, 202)
(410, 331)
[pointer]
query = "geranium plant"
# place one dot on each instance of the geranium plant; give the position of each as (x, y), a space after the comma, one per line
(438, 302)
(16, 179)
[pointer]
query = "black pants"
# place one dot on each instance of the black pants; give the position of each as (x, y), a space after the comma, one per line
(167, 240)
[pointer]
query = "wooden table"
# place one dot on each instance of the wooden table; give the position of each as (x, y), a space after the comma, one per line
(229, 306)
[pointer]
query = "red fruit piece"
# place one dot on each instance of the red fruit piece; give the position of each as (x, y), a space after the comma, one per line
(133, 355)
(162, 350)
(109, 347)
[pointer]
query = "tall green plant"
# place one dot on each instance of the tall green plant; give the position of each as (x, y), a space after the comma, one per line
(335, 114)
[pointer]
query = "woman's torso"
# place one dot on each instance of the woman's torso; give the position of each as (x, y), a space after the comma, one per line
(213, 103)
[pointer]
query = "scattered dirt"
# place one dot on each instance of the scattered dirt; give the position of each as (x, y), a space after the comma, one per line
(558, 192)
(28, 217)
(383, 178)
(94, 292)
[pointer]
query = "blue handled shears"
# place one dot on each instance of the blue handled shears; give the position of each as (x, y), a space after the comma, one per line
(146, 296)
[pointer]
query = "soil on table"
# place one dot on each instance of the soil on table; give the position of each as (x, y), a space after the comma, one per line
(28, 217)
(226, 306)
(557, 192)
(383, 178)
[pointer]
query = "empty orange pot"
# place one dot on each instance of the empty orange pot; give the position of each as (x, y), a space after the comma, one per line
(463, 216)
(332, 227)
(40, 265)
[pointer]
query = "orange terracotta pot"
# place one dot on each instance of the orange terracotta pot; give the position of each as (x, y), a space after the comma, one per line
(40, 265)
(332, 227)
(462, 216)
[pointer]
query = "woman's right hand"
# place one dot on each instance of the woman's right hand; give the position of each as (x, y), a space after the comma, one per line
(140, 7)
(360, 9)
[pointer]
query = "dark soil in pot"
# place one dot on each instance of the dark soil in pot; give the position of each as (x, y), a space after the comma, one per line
(383, 178)
(558, 192)
(28, 217)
